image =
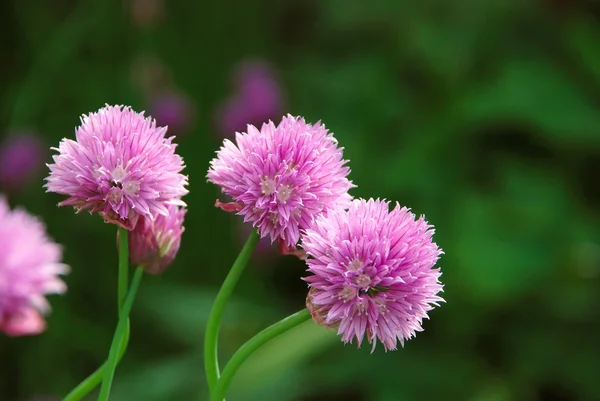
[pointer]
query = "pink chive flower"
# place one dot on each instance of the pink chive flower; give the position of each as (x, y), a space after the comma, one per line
(29, 269)
(281, 177)
(121, 166)
(155, 243)
(372, 272)
(21, 157)
(172, 110)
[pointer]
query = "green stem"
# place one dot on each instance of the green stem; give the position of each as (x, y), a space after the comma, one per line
(123, 266)
(113, 354)
(211, 360)
(252, 345)
(92, 381)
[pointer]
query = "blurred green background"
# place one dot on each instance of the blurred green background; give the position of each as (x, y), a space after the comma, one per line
(483, 115)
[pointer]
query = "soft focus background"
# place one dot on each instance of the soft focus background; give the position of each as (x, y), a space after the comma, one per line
(483, 115)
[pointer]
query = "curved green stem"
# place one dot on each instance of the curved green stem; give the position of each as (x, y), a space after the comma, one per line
(211, 361)
(92, 381)
(252, 345)
(113, 354)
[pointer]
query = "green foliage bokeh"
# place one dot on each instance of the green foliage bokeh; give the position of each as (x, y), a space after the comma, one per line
(483, 115)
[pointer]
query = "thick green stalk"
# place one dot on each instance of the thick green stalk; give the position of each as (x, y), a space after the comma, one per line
(252, 345)
(211, 359)
(113, 354)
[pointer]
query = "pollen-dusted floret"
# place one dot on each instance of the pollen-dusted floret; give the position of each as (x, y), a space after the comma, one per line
(29, 269)
(281, 177)
(120, 165)
(372, 272)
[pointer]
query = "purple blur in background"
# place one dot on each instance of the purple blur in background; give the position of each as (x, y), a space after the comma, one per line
(173, 110)
(257, 98)
(21, 159)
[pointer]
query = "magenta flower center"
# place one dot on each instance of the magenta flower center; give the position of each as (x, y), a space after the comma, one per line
(118, 174)
(363, 281)
(283, 193)
(347, 294)
(131, 188)
(355, 265)
(267, 185)
(115, 196)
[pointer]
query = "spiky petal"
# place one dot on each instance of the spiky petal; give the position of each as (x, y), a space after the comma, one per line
(29, 269)
(372, 272)
(282, 177)
(121, 166)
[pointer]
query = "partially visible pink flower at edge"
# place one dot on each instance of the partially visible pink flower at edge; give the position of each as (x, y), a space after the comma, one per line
(29, 269)
(21, 158)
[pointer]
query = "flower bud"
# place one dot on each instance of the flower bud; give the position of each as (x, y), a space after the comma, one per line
(155, 243)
